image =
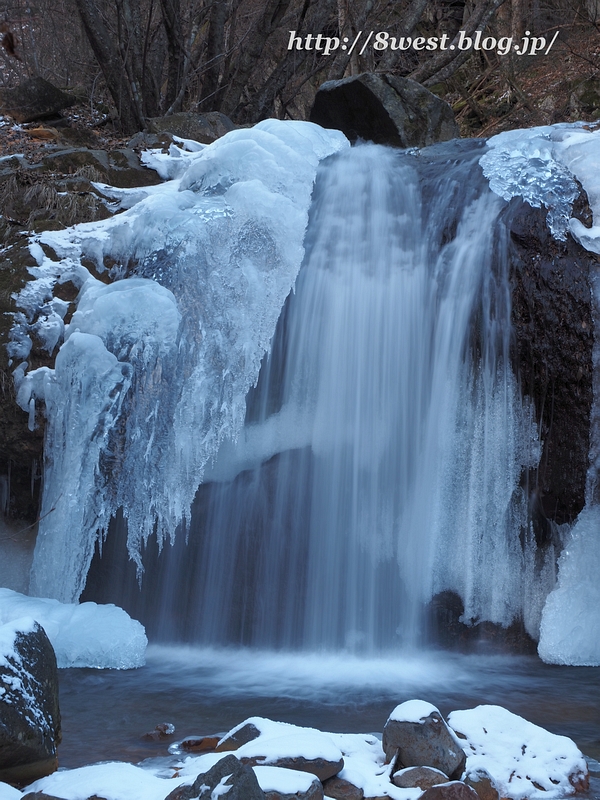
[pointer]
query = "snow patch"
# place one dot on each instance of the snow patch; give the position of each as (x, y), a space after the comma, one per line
(524, 760)
(413, 711)
(86, 635)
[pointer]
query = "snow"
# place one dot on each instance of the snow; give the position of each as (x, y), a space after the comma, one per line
(201, 266)
(570, 629)
(111, 781)
(413, 711)
(85, 635)
(286, 781)
(9, 792)
(524, 760)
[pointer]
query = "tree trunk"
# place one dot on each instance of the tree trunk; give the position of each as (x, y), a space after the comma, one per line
(111, 64)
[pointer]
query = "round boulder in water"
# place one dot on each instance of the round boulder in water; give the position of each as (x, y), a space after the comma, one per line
(418, 736)
(384, 109)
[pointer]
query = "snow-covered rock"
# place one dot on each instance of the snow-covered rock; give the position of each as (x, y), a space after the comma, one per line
(29, 713)
(418, 736)
(523, 760)
(85, 635)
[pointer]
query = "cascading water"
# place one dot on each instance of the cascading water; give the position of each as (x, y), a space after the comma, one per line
(386, 441)
(384, 445)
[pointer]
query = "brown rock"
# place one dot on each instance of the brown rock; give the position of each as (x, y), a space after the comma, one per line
(199, 744)
(426, 743)
(340, 789)
(454, 790)
(314, 792)
(421, 777)
(317, 766)
(42, 796)
(162, 731)
(231, 741)
(481, 781)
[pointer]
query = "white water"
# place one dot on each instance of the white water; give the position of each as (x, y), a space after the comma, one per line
(397, 431)
(384, 446)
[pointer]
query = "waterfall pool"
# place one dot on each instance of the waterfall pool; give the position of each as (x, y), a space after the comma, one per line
(204, 691)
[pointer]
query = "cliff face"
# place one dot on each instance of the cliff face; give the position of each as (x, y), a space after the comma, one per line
(552, 357)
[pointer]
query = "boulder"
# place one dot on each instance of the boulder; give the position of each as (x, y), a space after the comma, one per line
(417, 735)
(418, 777)
(384, 109)
(34, 99)
(481, 781)
(455, 790)
(340, 789)
(204, 128)
(228, 776)
(243, 734)
(320, 767)
(29, 713)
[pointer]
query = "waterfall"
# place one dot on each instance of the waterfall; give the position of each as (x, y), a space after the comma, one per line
(384, 444)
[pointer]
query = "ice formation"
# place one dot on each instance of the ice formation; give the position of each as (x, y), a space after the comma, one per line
(204, 263)
(540, 164)
(85, 635)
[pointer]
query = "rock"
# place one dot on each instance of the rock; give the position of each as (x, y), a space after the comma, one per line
(204, 128)
(162, 731)
(340, 789)
(243, 734)
(417, 734)
(234, 779)
(34, 99)
(552, 358)
(481, 781)
(320, 767)
(455, 790)
(418, 777)
(29, 713)
(199, 744)
(42, 796)
(585, 97)
(315, 792)
(384, 109)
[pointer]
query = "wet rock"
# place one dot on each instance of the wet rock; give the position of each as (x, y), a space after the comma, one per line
(199, 744)
(162, 732)
(237, 737)
(418, 777)
(455, 790)
(552, 357)
(232, 778)
(34, 99)
(29, 713)
(418, 736)
(340, 789)
(384, 109)
(320, 767)
(445, 627)
(204, 128)
(481, 781)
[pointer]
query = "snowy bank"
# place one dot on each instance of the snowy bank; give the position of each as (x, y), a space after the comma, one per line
(85, 635)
